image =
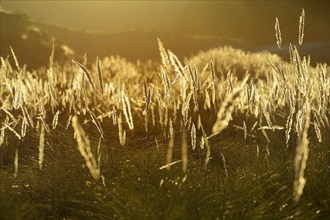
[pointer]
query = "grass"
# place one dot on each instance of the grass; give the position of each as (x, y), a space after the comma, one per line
(257, 186)
(241, 136)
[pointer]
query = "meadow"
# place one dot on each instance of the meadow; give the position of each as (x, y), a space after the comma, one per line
(224, 134)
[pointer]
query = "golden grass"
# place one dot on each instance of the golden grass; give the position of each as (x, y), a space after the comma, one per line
(278, 33)
(84, 148)
(86, 73)
(200, 95)
(41, 146)
(301, 27)
(302, 150)
(227, 107)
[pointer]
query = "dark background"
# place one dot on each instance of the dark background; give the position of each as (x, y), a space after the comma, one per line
(130, 29)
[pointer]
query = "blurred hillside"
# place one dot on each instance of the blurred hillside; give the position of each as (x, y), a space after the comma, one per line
(31, 44)
(200, 26)
(133, 44)
(252, 22)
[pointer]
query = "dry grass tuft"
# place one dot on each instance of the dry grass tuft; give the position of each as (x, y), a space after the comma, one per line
(302, 150)
(41, 146)
(227, 107)
(84, 148)
(278, 33)
(86, 73)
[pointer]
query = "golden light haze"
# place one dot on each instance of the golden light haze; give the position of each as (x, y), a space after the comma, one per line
(130, 28)
(102, 15)
(235, 19)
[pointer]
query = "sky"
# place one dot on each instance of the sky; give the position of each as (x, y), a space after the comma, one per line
(102, 15)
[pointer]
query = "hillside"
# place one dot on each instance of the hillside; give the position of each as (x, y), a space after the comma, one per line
(138, 44)
(133, 44)
(253, 21)
(31, 44)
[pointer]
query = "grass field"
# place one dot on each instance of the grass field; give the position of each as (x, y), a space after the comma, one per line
(225, 134)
